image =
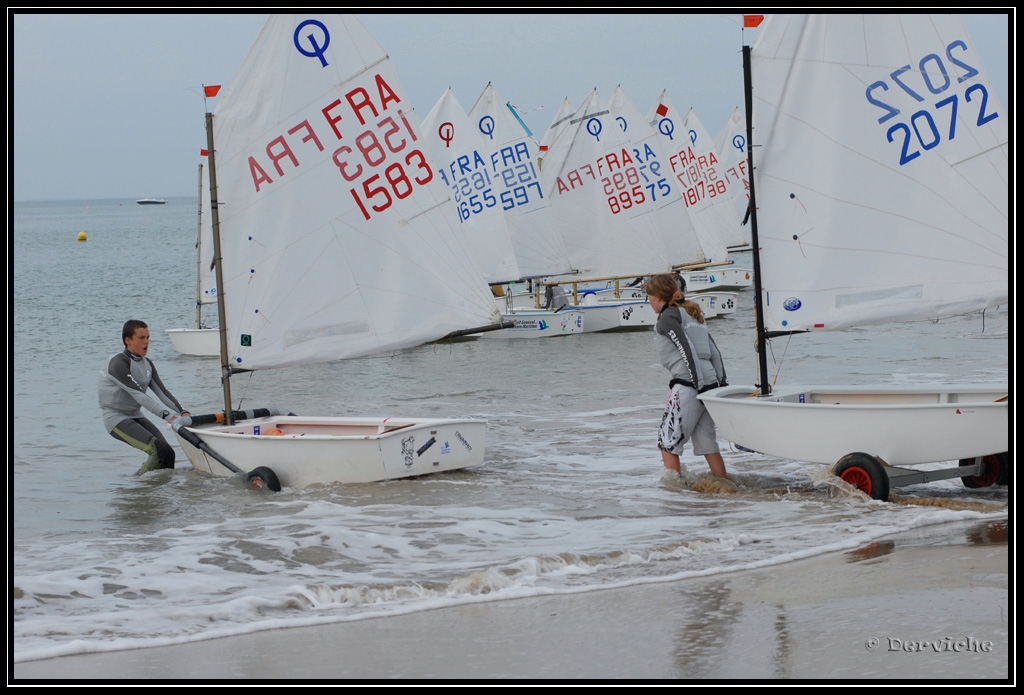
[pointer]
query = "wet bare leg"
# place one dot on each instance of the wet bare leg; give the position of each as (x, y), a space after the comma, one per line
(715, 462)
(672, 461)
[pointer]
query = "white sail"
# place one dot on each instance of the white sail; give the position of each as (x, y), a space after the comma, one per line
(511, 153)
(338, 238)
(731, 145)
(882, 176)
(598, 196)
(675, 227)
(694, 172)
(546, 157)
(204, 251)
(879, 194)
(201, 340)
(708, 188)
(456, 148)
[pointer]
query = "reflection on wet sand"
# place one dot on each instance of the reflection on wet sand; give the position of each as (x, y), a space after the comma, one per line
(870, 551)
(717, 624)
(706, 631)
(992, 533)
(784, 648)
(987, 533)
(977, 506)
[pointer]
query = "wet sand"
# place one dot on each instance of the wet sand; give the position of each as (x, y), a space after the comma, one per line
(933, 603)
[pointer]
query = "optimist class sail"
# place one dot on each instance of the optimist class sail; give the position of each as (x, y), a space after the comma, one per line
(880, 194)
(694, 174)
(731, 145)
(198, 340)
(204, 252)
(515, 173)
(596, 182)
(716, 204)
(455, 145)
(675, 228)
(882, 180)
(338, 238)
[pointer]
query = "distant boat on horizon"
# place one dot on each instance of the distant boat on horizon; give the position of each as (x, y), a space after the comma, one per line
(151, 201)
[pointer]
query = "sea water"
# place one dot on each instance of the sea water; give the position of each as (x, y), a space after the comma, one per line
(572, 496)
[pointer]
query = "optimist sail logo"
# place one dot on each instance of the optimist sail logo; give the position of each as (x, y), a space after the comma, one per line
(317, 41)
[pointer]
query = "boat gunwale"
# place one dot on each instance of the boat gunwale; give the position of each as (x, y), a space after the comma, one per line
(394, 426)
(733, 394)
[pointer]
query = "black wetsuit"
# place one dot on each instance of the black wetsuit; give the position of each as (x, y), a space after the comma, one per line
(123, 383)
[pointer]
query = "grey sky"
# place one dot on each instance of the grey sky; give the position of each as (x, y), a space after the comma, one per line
(110, 105)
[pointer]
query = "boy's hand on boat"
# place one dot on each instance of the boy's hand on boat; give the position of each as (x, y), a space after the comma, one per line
(179, 422)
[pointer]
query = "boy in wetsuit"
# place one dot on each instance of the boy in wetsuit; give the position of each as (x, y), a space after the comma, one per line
(123, 383)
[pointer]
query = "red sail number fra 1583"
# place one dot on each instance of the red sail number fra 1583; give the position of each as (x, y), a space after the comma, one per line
(379, 160)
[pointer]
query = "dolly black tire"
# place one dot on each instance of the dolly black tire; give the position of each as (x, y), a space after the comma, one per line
(864, 472)
(997, 471)
(263, 477)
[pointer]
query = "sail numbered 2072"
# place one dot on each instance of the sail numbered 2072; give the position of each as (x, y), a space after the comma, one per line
(881, 167)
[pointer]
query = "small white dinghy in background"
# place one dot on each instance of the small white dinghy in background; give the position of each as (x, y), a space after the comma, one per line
(335, 240)
(200, 341)
(197, 342)
(881, 190)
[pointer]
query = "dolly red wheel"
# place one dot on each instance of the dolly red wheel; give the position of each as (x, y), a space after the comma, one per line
(996, 471)
(864, 472)
(858, 477)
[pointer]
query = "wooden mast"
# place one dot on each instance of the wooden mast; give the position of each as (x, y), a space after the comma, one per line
(225, 366)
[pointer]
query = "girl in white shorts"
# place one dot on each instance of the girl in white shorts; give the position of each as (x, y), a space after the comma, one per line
(689, 353)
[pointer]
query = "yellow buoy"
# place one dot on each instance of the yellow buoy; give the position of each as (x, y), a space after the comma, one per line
(82, 236)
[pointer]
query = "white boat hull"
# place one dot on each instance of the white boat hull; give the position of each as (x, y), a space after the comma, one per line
(718, 278)
(721, 303)
(606, 312)
(613, 314)
(328, 450)
(520, 300)
(591, 317)
(635, 315)
(201, 342)
(539, 323)
(711, 303)
(900, 426)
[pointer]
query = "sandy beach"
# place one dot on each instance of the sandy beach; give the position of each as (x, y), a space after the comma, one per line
(933, 603)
